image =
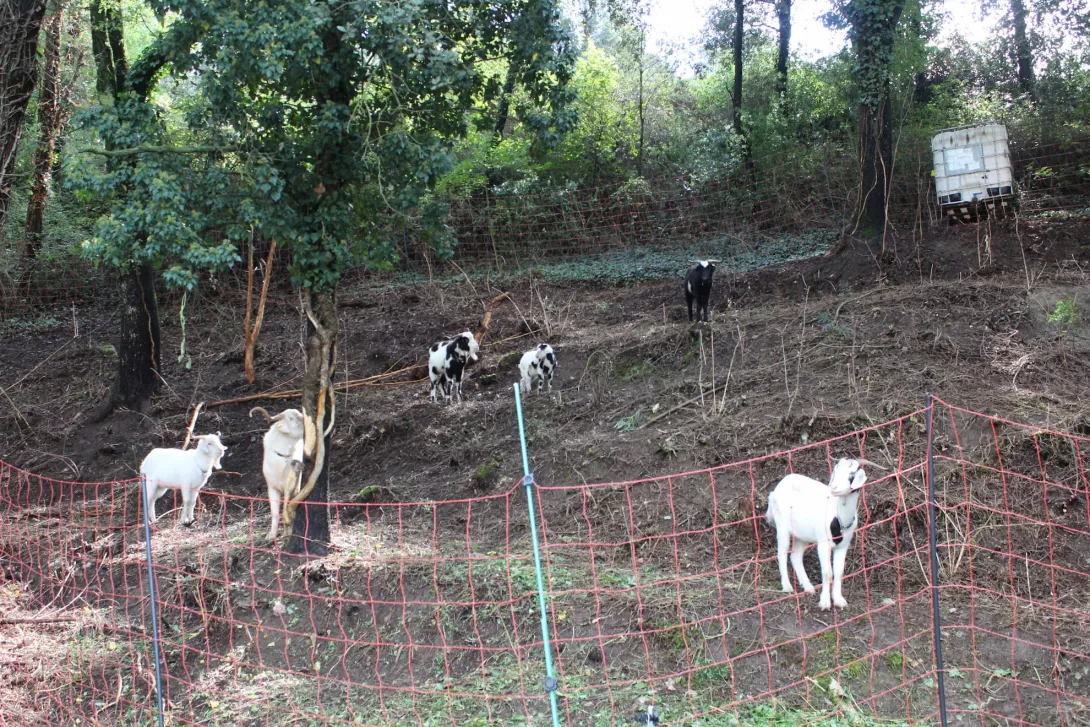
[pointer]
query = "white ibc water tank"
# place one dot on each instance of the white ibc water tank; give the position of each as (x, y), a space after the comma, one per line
(973, 170)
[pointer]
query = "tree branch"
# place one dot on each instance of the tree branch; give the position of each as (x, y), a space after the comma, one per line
(152, 149)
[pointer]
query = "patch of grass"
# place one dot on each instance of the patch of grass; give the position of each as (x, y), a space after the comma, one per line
(1066, 313)
(855, 670)
(629, 423)
(486, 476)
(631, 371)
(368, 494)
(40, 323)
(895, 660)
(832, 330)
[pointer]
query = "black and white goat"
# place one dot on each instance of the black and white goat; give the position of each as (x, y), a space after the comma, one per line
(447, 361)
(698, 287)
(538, 366)
(812, 512)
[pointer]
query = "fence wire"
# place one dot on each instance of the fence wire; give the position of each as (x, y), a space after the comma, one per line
(662, 591)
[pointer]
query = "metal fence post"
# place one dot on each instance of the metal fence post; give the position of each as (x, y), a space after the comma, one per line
(154, 598)
(936, 614)
(528, 482)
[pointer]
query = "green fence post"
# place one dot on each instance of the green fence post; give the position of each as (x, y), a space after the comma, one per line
(528, 482)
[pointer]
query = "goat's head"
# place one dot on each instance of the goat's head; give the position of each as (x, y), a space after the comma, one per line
(704, 269)
(290, 421)
(467, 344)
(848, 476)
(545, 353)
(210, 446)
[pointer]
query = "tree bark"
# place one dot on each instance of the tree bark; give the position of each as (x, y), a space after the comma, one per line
(20, 26)
(643, 124)
(876, 158)
(783, 15)
(50, 121)
(139, 355)
(736, 91)
(310, 525)
(1027, 79)
(874, 23)
(108, 47)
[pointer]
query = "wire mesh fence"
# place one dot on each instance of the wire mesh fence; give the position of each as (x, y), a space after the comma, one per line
(662, 591)
(789, 206)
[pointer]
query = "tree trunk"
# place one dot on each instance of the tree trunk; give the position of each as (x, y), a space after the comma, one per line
(50, 119)
(139, 355)
(310, 525)
(503, 111)
(20, 25)
(736, 92)
(874, 23)
(108, 47)
(783, 15)
(876, 155)
(1026, 77)
(643, 125)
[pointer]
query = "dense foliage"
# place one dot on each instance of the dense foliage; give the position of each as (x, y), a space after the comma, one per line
(625, 92)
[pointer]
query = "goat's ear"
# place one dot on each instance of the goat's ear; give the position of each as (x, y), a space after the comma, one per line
(859, 479)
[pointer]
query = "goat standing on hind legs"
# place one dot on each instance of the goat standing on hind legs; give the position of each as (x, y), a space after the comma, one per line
(698, 287)
(826, 515)
(282, 463)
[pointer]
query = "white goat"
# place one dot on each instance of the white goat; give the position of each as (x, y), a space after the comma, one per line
(282, 463)
(812, 512)
(186, 470)
(538, 365)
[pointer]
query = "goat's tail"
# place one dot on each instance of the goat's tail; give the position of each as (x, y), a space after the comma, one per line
(769, 518)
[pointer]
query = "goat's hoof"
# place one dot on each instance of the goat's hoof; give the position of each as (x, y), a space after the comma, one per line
(823, 604)
(840, 603)
(188, 523)
(787, 589)
(810, 590)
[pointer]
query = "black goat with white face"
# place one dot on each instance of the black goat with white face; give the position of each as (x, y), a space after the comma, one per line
(698, 286)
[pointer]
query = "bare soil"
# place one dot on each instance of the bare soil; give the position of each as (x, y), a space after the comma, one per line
(793, 355)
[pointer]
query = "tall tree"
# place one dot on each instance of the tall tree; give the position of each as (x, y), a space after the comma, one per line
(783, 55)
(52, 111)
(156, 196)
(630, 18)
(871, 28)
(737, 49)
(1027, 79)
(140, 349)
(20, 26)
(346, 111)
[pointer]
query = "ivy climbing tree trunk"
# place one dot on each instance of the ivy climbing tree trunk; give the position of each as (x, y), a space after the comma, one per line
(20, 26)
(310, 524)
(783, 18)
(50, 122)
(139, 352)
(872, 26)
(1027, 79)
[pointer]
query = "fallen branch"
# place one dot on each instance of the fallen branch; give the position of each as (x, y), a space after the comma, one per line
(192, 423)
(38, 620)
